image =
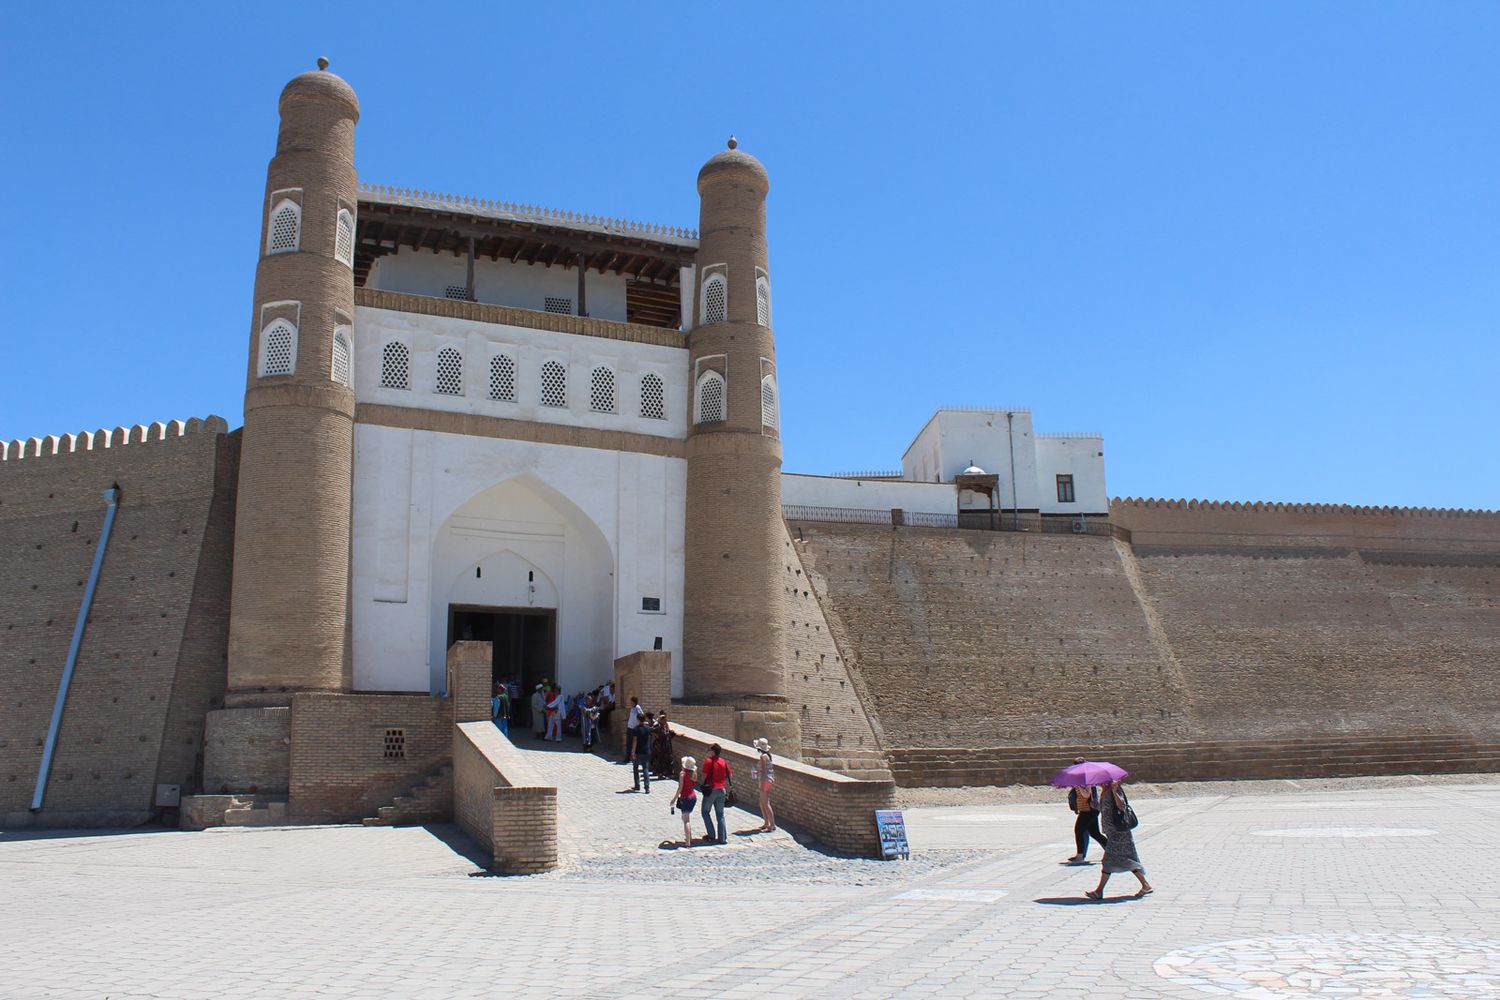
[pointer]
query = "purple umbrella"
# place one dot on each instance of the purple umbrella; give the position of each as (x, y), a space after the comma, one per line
(1090, 772)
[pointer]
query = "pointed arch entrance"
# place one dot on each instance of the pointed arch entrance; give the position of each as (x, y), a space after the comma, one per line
(523, 562)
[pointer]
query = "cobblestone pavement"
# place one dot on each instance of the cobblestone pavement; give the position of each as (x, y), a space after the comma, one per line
(1356, 892)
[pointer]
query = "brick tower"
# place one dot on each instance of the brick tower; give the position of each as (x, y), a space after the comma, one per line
(289, 614)
(733, 628)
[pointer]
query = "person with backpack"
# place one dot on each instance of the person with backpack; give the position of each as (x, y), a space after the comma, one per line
(640, 763)
(1118, 820)
(1084, 802)
(764, 775)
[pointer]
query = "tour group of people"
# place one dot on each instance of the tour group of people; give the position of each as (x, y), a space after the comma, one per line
(551, 714)
(1103, 815)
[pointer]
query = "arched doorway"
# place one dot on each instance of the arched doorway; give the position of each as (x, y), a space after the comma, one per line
(521, 565)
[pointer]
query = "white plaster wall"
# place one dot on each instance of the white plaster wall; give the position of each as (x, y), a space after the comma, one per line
(981, 438)
(867, 494)
(1081, 457)
(424, 336)
(525, 286)
(600, 529)
(922, 461)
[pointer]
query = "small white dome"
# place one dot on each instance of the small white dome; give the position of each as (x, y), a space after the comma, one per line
(974, 470)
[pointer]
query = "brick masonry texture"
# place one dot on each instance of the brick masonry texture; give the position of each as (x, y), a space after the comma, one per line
(1221, 623)
(152, 659)
(836, 809)
(499, 801)
(248, 750)
(646, 675)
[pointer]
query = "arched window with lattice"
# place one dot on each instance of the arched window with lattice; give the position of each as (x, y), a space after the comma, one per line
(278, 348)
(450, 373)
(343, 237)
(768, 412)
(710, 402)
(395, 366)
(602, 390)
(284, 234)
(715, 298)
(503, 378)
(762, 298)
(554, 384)
(653, 397)
(343, 356)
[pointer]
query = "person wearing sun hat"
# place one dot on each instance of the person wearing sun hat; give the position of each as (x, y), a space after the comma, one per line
(764, 775)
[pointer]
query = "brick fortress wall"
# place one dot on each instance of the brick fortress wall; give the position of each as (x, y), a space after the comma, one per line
(152, 659)
(1220, 621)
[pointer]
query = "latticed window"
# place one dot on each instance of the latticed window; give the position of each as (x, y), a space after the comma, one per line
(343, 354)
(278, 348)
(553, 304)
(715, 300)
(286, 228)
(554, 384)
(395, 366)
(602, 390)
(768, 402)
(459, 292)
(343, 238)
(653, 397)
(450, 372)
(763, 300)
(503, 378)
(709, 407)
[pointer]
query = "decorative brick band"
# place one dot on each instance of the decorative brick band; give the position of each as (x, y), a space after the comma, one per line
(1299, 508)
(86, 441)
(474, 425)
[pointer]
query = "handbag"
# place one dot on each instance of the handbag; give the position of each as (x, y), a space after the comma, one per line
(1125, 818)
(729, 797)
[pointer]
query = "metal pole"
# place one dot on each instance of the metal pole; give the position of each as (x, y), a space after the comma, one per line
(1010, 434)
(111, 497)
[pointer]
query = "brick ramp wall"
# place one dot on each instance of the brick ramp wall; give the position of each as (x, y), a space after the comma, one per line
(499, 801)
(837, 731)
(1321, 642)
(970, 638)
(152, 659)
(1424, 753)
(836, 809)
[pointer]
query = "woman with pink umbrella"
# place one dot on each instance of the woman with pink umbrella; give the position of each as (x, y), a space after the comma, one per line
(1116, 817)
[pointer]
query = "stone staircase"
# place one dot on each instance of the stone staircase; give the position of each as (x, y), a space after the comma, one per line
(429, 801)
(866, 765)
(1202, 760)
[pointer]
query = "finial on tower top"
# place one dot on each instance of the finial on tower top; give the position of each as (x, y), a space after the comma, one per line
(322, 62)
(733, 143)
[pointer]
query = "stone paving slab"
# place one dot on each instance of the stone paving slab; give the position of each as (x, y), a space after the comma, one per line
(983, 909)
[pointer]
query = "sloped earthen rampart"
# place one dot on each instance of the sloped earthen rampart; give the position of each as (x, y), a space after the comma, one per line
(1221, 622)
(151, 662)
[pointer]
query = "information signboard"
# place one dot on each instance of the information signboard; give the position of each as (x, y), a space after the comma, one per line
(891, 826)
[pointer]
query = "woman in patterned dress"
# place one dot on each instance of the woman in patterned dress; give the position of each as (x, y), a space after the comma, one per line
(1119, 843)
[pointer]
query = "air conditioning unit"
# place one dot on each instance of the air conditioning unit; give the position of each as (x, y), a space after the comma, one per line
(1080, 526)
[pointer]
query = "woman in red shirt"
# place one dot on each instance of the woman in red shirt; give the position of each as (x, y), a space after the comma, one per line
(686, 798)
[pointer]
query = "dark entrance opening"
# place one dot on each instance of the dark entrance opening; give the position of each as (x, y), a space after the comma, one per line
(524, 645)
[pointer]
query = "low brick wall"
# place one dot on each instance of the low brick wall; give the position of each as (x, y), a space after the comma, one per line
(499, 802)
(839, 811)
(247, 750)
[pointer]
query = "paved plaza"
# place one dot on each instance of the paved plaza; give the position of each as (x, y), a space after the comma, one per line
(1278, 890)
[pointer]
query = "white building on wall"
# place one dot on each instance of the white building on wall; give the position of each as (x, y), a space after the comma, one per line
(1046, 475)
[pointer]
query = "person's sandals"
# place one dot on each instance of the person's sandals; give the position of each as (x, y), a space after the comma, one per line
(1094, 894)
(1144, 892)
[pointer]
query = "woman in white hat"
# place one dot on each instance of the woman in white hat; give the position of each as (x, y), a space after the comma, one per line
(686, 798)
(765, 773)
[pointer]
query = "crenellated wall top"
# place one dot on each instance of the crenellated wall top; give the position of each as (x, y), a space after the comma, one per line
(1223, 506)
(30, 449)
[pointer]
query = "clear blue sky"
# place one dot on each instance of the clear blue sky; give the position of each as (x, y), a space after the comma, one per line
(1257, 245)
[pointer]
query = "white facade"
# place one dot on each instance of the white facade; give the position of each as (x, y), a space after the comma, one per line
(478, 343)
(448, 519)
(1004, 443)
(524, 286)
(866, 494)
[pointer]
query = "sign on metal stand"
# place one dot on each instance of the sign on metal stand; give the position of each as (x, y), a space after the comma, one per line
(891, 826)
